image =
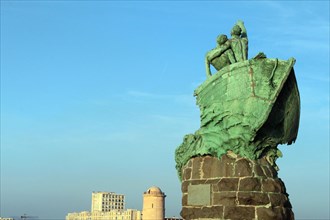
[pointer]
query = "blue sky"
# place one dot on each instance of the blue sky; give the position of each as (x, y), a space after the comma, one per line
(97, 95)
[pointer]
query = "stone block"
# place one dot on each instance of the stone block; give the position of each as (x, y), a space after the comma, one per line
(289, 215)
(279, 199)
(224, 198)
(214, 168)
(186, 174)
(250, 184)
(189, 164)
(277, 213)
(196, 172)
(273, 172)
(184, 186)
(212, 181)
(190, 212)
(214, 212)
(263, 162)
(269, 213)
(215, 188)
(228, 184)
(197, 182)
(210, 167)
(252, 198)
(243, 168)
(184, 199)
(258, 171)
(272, 185)
(267, 172)
(237, 212)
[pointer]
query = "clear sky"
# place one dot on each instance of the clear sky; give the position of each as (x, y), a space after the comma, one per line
(97, 95)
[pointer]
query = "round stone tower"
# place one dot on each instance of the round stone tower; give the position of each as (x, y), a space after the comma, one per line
(153, 204)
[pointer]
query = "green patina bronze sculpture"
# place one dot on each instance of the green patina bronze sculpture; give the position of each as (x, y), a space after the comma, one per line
(248, 107)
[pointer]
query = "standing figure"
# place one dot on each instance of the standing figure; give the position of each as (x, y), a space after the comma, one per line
(239, 41)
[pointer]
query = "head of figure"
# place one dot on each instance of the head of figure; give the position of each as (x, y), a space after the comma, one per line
(221, 39)
(236, 31)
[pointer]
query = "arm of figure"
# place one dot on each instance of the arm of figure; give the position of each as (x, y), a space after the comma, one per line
(216, 52)
(207, 67)
(241, 25)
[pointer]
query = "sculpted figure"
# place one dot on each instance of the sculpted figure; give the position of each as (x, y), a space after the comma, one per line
(237, 45)
(239, 41)
(219, 60)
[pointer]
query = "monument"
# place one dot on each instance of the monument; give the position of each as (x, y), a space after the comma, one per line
(247, 108)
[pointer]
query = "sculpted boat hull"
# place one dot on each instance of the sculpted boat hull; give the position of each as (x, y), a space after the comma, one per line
(248, 108)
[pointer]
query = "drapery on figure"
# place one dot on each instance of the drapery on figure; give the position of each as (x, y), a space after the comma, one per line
(228, 51)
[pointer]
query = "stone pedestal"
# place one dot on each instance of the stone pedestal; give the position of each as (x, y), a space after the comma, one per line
(233, 188)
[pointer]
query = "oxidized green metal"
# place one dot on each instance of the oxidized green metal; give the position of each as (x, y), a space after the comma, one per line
(248, 108)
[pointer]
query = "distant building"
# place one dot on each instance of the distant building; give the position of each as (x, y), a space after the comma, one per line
(106, 206)
(153, 204)
(107, 201)
(129, 214)
(111, 206)
(1, 218)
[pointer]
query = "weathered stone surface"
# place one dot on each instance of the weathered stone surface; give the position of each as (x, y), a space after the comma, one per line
(190, 213)
(212, 181)
(272, 213)
(189, 164)
(279, 199)
(186, 173)
(288, 214)
(211, 167)
(184, 186)
(262, 161)
(246, 189)
(272, 185)
(269, 213)
(238, 213)
(197, 162)
(258, 171)
(250, 184)
(197, 182)
(272, 171)
(215, 188)
(224, 198)
(184, 199)
(228, 184)
(243, 168)
(212, 212)
(267, 172)
(252, 198)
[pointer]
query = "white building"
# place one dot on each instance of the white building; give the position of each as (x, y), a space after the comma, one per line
(106, 206)
(107, 201)
(129, 214)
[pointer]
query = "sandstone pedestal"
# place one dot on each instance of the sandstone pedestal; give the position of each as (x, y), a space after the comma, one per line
(234, 188)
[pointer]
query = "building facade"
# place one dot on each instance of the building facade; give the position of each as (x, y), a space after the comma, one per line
(107, 201)
(129, 214)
